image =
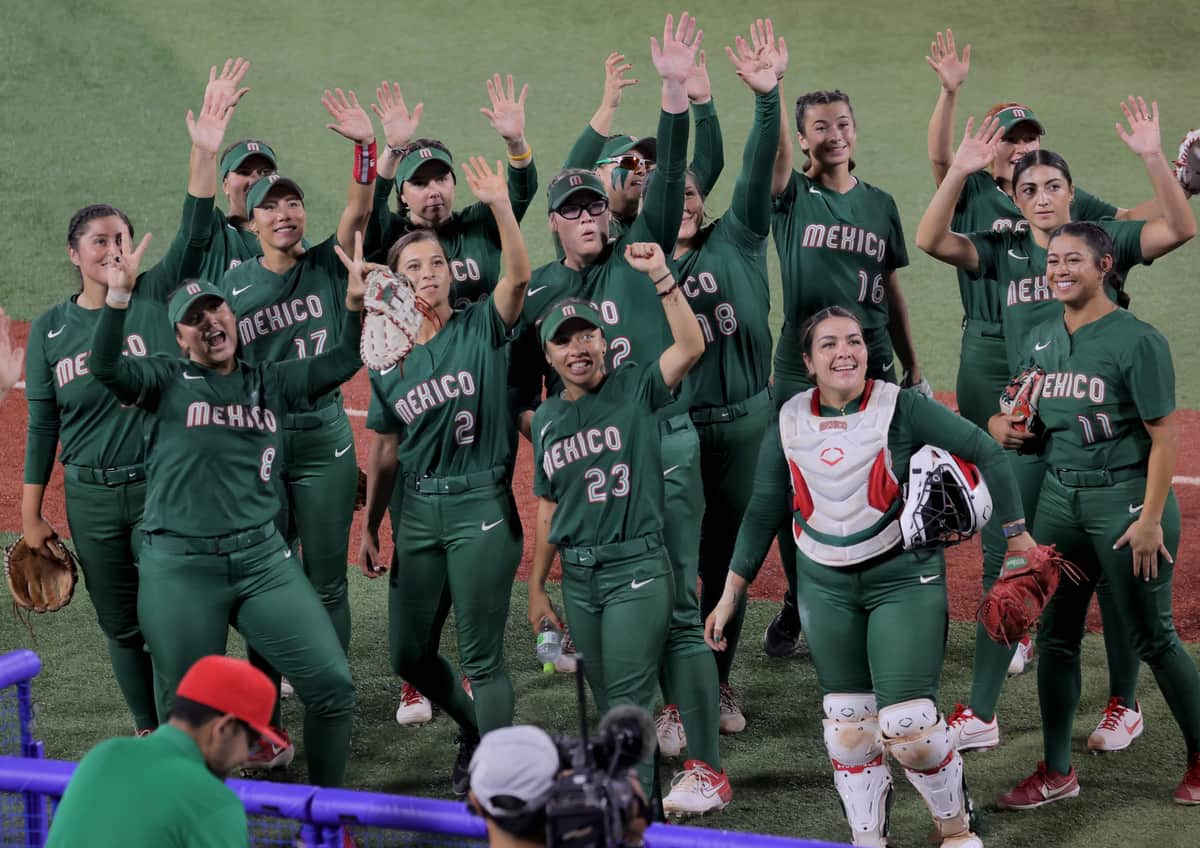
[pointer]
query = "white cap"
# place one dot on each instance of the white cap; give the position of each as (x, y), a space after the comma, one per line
(519, 762)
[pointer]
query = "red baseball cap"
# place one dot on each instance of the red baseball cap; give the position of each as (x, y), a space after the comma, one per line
(233, 687)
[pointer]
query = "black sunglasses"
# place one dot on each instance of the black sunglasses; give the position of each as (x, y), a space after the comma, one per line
(571, 211)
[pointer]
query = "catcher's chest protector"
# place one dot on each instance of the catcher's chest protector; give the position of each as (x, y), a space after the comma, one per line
(845, 499)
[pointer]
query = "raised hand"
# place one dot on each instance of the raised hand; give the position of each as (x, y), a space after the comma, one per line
(674, 58)
(615, 82)
(764, 43)
(228, 82)
(349, 119)
(1143, 136)
(507, 115)
(488, 186)
(944, 59)
(756, 71)
(699, 87)
(357, 270)
(647, 257)
(978, 148)
(399, 124)
(123, 270)
(220, 97)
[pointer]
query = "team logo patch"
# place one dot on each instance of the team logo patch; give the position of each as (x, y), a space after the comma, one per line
(575, 181)
(832, 456)
(425, 153)
(1014, 562)
(832, 425)
(193, 288)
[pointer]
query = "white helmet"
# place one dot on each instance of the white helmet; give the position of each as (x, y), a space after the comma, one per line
(946, 500)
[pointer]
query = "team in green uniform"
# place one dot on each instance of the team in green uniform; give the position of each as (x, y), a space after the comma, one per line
(1016, 258)
(875, 614)
(442, 458)
(211, 555)
(1106, 407)
(422, 171)
(598, 475)
(102, 450)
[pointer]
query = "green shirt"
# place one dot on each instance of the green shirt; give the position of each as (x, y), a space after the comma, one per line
(447, 399)
(599, 459)
(1019, 263)
(983, 206)
(154, 792)
(917, 421)
(470, 238)
(294, 315)
(213, 441)
(724, 277)
(1102, 382)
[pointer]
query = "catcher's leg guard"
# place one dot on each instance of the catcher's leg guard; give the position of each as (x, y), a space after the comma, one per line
(917, 736)
(860, 772)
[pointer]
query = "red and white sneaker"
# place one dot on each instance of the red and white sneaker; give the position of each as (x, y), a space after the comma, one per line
(732, 719)
(1118, 727)
(414, 709)
(669, 729)
(697, 789)
(969, 732)
(267, 755)
(1040, 788)
(1188, 791)
(1023, 656)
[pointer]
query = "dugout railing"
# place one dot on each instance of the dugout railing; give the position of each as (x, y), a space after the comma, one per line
(279, 814)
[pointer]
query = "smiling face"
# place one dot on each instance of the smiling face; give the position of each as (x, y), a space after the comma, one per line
(625, 181)
(424, 263)
(237, 182)
(1043, 194)
(828, 133)
(429, 195)
(837, 357)
(693, 211)
(576, 353)
(1018, 141)
(207, 334)
(582, 237)
(102, 240)
(1074, 271)
(279, 220)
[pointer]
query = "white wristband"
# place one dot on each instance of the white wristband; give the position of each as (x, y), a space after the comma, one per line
(118, 298)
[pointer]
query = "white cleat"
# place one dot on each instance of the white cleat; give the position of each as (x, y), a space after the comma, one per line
(1118, 727)
(697, 790)
(969, 732)
(732, 720)
(1022, 658)
(415, 709)
(669, 729)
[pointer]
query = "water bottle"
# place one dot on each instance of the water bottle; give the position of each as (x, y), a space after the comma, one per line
(549, 644)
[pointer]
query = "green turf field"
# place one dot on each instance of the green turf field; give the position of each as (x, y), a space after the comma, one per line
(97, 95)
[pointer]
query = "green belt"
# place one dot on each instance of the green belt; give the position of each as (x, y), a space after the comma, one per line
(599, 554)
(724, 414)
(120, 475)
(454, 485)
(983, 329)
(313, 420)
(674, 424)
(1097, 477)
(172, 544)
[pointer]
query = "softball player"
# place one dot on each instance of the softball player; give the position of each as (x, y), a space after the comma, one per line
(594, 268)
(840, 242)
(102, 450)
(211, 555)
(289, 306)
(423, 173)
(599, 481)
(1043, 192)
(723, 269)
(443, 455)
(1106, 498)
(875, 614)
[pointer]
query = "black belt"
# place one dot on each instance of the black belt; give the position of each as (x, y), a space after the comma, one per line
(723, 414)
(598, 554)
(1097, 477)
(429, 485)
(172, 544)
(313, 420)
(121, 475)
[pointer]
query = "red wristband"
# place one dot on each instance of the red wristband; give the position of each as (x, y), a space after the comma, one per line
(364, 163)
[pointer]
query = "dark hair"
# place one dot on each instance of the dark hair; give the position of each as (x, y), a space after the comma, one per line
(530, 826)
(412, 237)
(195, 714)
(1099, 244)
(232, 145)
(1041, 156)
(82, 218)
(819, 98)
(810, 326)
(421, 143)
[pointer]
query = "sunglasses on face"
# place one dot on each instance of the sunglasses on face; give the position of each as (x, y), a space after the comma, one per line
(628, 161)
(571, 211)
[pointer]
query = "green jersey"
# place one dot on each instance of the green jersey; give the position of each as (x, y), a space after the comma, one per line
(470, 238)
(447, 400)
(836, 249)
(67, 405)
(213, 440)
(1019, 263)
(983, 206)
(295, 315)
(724, 277)
(157, 791)
(1102, 382)
(599, 459)
(216, 243)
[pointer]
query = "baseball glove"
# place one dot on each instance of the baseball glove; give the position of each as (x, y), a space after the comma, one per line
(392, 314)
(1020, 397)
(1187, 164)
(1026, 583)
(39, 583)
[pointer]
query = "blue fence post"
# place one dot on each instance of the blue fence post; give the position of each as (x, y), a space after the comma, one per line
(37, 812)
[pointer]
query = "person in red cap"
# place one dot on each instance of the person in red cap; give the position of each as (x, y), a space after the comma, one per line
(167, 789)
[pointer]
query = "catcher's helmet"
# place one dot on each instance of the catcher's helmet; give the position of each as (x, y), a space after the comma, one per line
(946, 500)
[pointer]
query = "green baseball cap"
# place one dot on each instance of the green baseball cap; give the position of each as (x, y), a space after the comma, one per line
(619, 144)
(568, 310)
(420, 157)
(259, 191)
(1014, 115)
(187, 294)
(570, 183)
(239, 153)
